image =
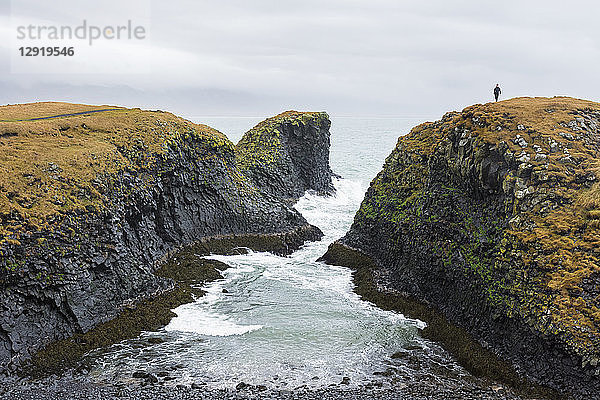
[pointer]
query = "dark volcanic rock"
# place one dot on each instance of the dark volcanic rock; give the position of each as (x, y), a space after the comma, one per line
(288, 154)
(491, 217)
(87, 222)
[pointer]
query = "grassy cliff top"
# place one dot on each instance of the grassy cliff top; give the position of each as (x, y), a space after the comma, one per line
(17, 112)
(49, 166)
(556, 211)
(494, 122)
(290, 116)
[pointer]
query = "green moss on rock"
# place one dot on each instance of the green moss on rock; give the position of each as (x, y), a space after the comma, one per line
(262, 144)
(89, 204)
(478, 360)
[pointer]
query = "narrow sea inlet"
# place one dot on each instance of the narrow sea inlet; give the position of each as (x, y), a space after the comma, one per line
(274, 321)
(289, 322)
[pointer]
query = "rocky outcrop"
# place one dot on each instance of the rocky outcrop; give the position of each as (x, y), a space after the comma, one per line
(288, 154)
(90, 204)
(491, 216)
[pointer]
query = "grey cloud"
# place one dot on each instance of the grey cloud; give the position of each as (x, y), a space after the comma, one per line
(353, 56)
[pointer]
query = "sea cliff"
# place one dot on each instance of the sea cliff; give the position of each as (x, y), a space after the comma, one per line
(94, 200)
(491, 217)
(288, 154)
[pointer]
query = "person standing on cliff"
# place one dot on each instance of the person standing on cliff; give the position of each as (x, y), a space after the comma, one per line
(497, 91)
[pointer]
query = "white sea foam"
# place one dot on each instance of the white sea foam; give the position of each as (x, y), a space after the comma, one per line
(327, 212)
(193, 320)
(198, 317)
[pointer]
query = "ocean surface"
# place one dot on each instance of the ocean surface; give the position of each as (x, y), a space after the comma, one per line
(289, 322)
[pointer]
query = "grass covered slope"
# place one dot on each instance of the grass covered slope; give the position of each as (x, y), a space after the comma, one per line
(492, 215)
(22, 112)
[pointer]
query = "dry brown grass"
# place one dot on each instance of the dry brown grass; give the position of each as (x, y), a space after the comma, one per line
(566, 241)
(45, 109)
(48, 166)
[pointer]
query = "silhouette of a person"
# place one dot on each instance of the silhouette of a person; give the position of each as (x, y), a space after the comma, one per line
(497, 91)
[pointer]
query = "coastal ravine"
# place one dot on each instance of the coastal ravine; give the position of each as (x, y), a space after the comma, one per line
(277, 326)
(274, 321)
(284, 323)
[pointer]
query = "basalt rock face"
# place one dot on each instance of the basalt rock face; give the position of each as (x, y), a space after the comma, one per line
(492, 216)
(288, 154)
(90, 205)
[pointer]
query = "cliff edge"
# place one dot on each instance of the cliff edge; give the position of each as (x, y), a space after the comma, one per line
(492, 216)
(93, 199)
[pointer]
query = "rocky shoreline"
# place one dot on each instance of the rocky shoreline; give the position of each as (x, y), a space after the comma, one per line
(71, 390)
(187, 269)
(415, 372)
(470, 354)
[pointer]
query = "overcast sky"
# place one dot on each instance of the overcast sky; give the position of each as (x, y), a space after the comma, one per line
(348, 57)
